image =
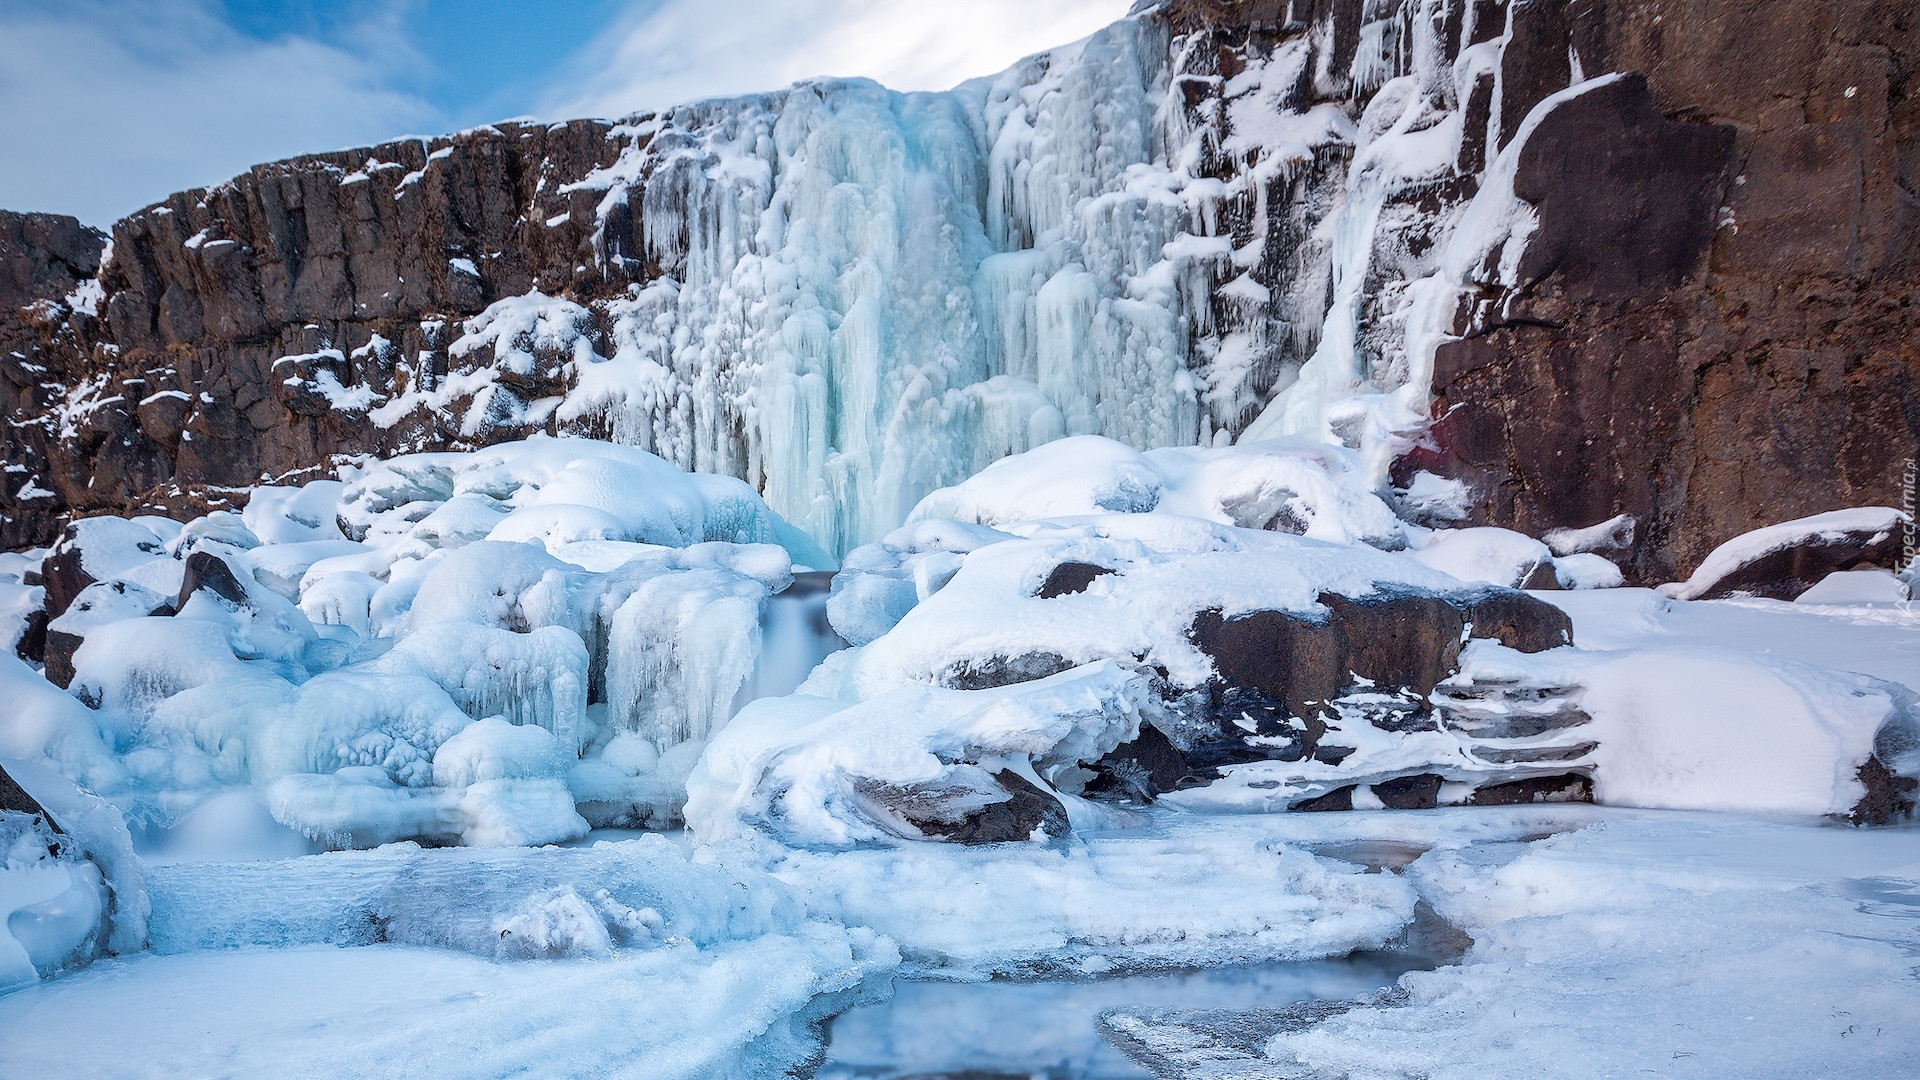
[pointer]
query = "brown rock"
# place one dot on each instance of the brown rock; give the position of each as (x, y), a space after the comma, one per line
(1070, 577)
(1784, 573)
(14, 797)
(1026, 809)
(1518, 621)
(1139, 771)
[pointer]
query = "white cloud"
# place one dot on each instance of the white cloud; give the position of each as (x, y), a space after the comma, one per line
(105, 108)
(109, 105)
(683, 50)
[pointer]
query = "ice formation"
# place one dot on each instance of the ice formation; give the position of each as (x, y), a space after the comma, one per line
(446, 647)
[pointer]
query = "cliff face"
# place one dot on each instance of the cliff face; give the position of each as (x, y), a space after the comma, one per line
(1424, 229)
(166, 386)
(1769, 367)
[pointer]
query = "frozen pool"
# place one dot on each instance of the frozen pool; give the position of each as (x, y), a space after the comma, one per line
(1050, 1029)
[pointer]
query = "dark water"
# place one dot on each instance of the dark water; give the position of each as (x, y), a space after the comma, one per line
(1049, 1030)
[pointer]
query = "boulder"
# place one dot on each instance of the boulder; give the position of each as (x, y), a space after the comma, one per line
(205, 570)
(32, 646)
(1138, 771)
(92, 550)
(1070, 577)
(1889, 797)
(1782, 561)
(1027, 814)
(1518, 621)
(98, 604)
(1320, 689)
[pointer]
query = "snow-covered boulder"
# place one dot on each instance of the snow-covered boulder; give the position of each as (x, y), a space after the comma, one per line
(1247, 646)
(91, 550)
(558, 491)
(1496, 556)
(1782, 561)
(918, 762)
(1488, 555)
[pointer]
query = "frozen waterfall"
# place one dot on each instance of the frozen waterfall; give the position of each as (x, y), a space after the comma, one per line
(851, 297)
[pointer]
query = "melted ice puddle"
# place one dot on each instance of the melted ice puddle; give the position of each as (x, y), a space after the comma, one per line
(1049, 1029)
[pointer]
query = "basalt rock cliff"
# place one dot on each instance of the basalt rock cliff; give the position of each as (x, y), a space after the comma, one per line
(1586, 257)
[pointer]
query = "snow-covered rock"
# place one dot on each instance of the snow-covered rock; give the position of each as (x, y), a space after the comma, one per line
(917, 762)
(1785, 560)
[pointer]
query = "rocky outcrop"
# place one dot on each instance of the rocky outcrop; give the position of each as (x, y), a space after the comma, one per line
(229, 312)
(1709, 326)
(1317, 690)
(43, 259)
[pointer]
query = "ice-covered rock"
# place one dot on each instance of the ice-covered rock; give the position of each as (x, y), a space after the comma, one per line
(71, 887)
(558, 491)
(52, 901)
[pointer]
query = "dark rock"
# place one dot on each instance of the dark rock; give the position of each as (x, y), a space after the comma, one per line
(1340, 798)
(32, 646)
(1420, 792)
(1564, 787)
(1785, 573)
(205, 570)
(1070, 577)
(1535, 63)
(1890, 797)
(997, 671)
(43, 256)
(1524, 623)
(1240, 715)
(1026, 809)
(58, 657)
(1139, 771)
(63, 576)
(1399, 641)
(1734, 297)
(1299, 662)
(14, 797)
(1542, 577)
(1626, 197)
(1282, 679)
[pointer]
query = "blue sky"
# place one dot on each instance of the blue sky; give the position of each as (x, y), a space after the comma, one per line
(109, 105)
